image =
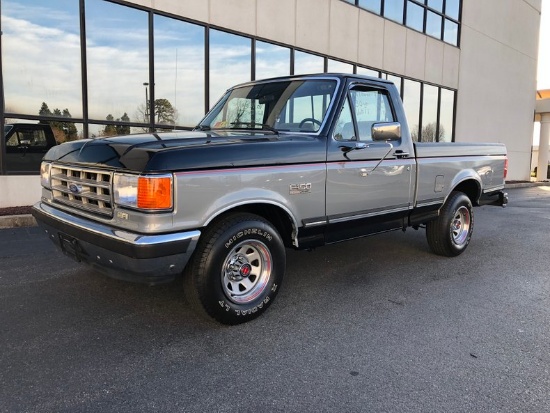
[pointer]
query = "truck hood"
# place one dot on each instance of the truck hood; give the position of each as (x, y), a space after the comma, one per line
(181, 150)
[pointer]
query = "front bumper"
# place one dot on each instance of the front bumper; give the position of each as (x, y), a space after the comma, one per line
(121, 254)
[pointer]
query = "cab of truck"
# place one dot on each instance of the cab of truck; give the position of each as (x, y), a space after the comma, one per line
(26, 145)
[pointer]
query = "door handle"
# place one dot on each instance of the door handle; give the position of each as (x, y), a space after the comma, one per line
(399, 154)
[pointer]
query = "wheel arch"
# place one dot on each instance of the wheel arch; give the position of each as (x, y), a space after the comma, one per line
(470, 186)
(277, 215)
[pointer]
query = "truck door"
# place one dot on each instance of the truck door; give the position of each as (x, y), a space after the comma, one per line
(369, 183)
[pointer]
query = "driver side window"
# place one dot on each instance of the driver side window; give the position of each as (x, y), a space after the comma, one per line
(345, 129)
(369, 106)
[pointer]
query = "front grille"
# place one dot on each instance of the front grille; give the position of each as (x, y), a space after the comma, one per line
(83, 188)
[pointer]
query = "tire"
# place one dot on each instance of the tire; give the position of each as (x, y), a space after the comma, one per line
(236, 270)
(450, 234)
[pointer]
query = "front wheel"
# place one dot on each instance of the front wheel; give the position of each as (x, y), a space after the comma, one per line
(450, 234)
(237, 269)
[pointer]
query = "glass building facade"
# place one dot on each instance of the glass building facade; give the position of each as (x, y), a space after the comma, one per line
(94, 68)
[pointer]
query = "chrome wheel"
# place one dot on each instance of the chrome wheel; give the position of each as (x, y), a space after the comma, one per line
(246, 271)
(460, 225)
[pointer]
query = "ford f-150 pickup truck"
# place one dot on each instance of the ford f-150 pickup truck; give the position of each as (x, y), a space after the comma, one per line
(292, 162)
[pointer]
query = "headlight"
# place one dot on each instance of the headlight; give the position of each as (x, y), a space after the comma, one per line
(152, 192)
(45, 174)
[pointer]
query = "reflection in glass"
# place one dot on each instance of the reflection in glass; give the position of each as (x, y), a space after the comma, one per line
(230, 62)
(335, 66)
(393, 9)
(35, 69)
(372, 5)
(436, 5)
(396, 80)
(446, 115)
(415, 16)
(118, 59)
(411, 105)
(429, 114)
(271, 60)
(308, 63)
(367, 72)
(450, 35)
(433, 24)
(28, 141)
(179, 73)
(452, 8)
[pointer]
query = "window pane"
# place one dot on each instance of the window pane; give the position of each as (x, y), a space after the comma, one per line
(393, 9)
(118, 59)
(433, 24)
(367, 72)
(429, 114)
(335, 66)
(271, 60)
(451, 32)
(370, 106)
(372, 5)
(452, 8)
(230, 60)
(446, 115)
(179, 72)
(411, 105)
(344, 129)
(436, 5)
(396, 80)
(41, 56)
(27, 142)
(415, 16)
(307, 63)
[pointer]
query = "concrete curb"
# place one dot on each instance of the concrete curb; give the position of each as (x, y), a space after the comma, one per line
(526, 184)
(17, 221)
(27, 220)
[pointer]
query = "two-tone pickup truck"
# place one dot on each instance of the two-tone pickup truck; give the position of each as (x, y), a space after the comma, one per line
(293, 162)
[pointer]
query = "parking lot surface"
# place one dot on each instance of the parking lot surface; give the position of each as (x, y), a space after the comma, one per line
(373, 325)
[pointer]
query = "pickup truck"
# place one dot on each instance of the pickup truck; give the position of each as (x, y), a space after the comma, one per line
(26, 144)
(293, 162)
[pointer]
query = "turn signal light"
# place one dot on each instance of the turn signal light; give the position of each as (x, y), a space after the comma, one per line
(154, 192)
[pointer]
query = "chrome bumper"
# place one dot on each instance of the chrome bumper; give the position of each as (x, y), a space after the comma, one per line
(118, 253)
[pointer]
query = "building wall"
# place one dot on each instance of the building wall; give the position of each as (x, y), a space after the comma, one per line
(497, 72)
(19, 190)
(330, 27)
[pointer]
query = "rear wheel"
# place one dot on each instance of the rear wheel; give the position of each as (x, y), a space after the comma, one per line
(236, 270)
(450, 234)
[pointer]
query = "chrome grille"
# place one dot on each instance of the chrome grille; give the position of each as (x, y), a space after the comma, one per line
(83, 188)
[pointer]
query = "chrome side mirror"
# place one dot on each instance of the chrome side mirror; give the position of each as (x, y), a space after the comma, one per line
(387, 131)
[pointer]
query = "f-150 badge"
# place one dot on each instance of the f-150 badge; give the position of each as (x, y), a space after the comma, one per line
(297, 189)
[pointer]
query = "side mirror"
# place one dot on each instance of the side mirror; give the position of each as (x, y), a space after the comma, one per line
(387, 131)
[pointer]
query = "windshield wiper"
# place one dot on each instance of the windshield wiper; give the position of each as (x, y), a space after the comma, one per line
(252, 125)
(202, 128)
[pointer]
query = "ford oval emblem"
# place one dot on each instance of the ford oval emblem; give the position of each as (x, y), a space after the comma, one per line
(75, 189)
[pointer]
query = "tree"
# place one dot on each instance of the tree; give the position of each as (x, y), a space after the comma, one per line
(63, 131)
(110, 130)
(123, 129)
(428, 133)
(165, 113)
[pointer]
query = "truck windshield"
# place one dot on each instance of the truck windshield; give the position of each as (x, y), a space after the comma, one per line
(280, 106)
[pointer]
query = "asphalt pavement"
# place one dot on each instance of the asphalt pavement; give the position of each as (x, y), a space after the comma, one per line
(373, 325)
